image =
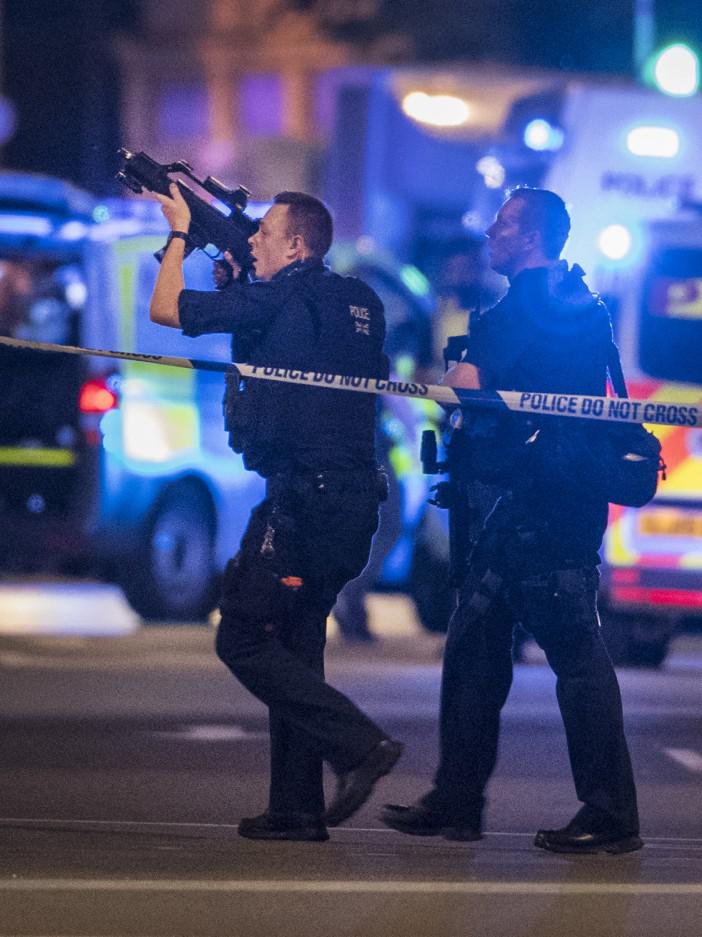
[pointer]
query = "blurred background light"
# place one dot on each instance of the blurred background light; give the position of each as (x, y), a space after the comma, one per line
(438, 110)
(676, 70)
(472, 221)
(615, 241)
(414, 280)
(101, 213)
(366, 244)
(8, 120)
(662, 142)
(73, 231)
(492, 171)
(76, 293)
(540, 135)
(37, 225)
(158, 431)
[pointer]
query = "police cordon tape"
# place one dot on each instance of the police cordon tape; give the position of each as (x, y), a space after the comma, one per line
(609, 409)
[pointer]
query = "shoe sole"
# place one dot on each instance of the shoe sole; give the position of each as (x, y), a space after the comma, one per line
(453, 833)
(289, 835)
(460, 835)
(616, 848)
(391, 757)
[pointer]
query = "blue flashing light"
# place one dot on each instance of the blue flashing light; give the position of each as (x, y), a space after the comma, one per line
(101, 213)
(540, 135)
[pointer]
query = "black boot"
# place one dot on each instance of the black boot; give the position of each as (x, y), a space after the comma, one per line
(298, 828)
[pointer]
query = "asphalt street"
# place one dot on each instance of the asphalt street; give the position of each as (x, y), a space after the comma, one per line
(127, 756)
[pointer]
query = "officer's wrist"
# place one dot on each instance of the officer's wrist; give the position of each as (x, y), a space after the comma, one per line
(177, 235)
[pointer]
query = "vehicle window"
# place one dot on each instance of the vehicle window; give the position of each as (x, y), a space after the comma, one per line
(40, 300)
(670, 338)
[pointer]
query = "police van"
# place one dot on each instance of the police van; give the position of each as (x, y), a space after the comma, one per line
(119, 468)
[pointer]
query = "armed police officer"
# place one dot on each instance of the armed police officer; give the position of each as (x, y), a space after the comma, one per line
(536, 558)
(312, 532)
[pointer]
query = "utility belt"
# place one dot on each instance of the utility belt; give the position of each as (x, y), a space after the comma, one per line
(329, 481)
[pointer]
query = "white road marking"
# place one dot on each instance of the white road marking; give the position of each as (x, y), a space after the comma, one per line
(686, 757)
(117, 824)
(352, 887)
(150, 660)
(657, 841)
(214, 732)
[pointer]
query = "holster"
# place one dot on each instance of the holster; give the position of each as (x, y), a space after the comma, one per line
(237, 420)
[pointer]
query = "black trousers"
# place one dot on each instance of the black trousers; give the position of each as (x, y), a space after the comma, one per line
(310, 536)
(508, 582)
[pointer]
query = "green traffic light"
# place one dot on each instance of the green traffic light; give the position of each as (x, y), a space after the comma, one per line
(675, 70)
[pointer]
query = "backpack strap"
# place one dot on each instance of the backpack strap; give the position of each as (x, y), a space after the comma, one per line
(614, 369)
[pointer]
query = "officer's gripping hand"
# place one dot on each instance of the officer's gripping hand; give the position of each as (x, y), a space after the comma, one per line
(174, 208)
(236, 268)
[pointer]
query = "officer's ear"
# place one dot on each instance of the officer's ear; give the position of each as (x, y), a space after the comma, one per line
(298, 248)
(532, 239)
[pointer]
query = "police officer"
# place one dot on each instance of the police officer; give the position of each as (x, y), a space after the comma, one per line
(312, 533)
(536, 559)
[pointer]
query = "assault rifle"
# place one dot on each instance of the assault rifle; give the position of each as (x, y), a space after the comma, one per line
(447, 494)
(450, 493)
(227, 232)
(464, 492)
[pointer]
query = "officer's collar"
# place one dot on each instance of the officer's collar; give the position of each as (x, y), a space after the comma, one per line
(299, 266)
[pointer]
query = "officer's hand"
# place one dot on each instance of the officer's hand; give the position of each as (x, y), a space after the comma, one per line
(175, 209)
(236, 268)
(462, 374)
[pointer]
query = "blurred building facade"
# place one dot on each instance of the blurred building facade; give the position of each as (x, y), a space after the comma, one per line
(243, 90)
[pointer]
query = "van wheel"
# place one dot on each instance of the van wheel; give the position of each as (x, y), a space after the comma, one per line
(171, 574)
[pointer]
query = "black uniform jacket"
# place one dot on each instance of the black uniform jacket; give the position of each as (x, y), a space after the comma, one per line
(549, 333)
(310, 319)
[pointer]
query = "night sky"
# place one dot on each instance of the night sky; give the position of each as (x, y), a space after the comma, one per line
(61, 74)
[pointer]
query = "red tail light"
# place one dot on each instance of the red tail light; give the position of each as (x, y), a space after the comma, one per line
(96, 397)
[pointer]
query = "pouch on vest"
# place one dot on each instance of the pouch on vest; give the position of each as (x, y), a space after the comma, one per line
(630, 454)
(238, 420)
(616, 461)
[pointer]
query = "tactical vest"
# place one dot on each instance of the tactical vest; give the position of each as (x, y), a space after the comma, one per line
(326, 324)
